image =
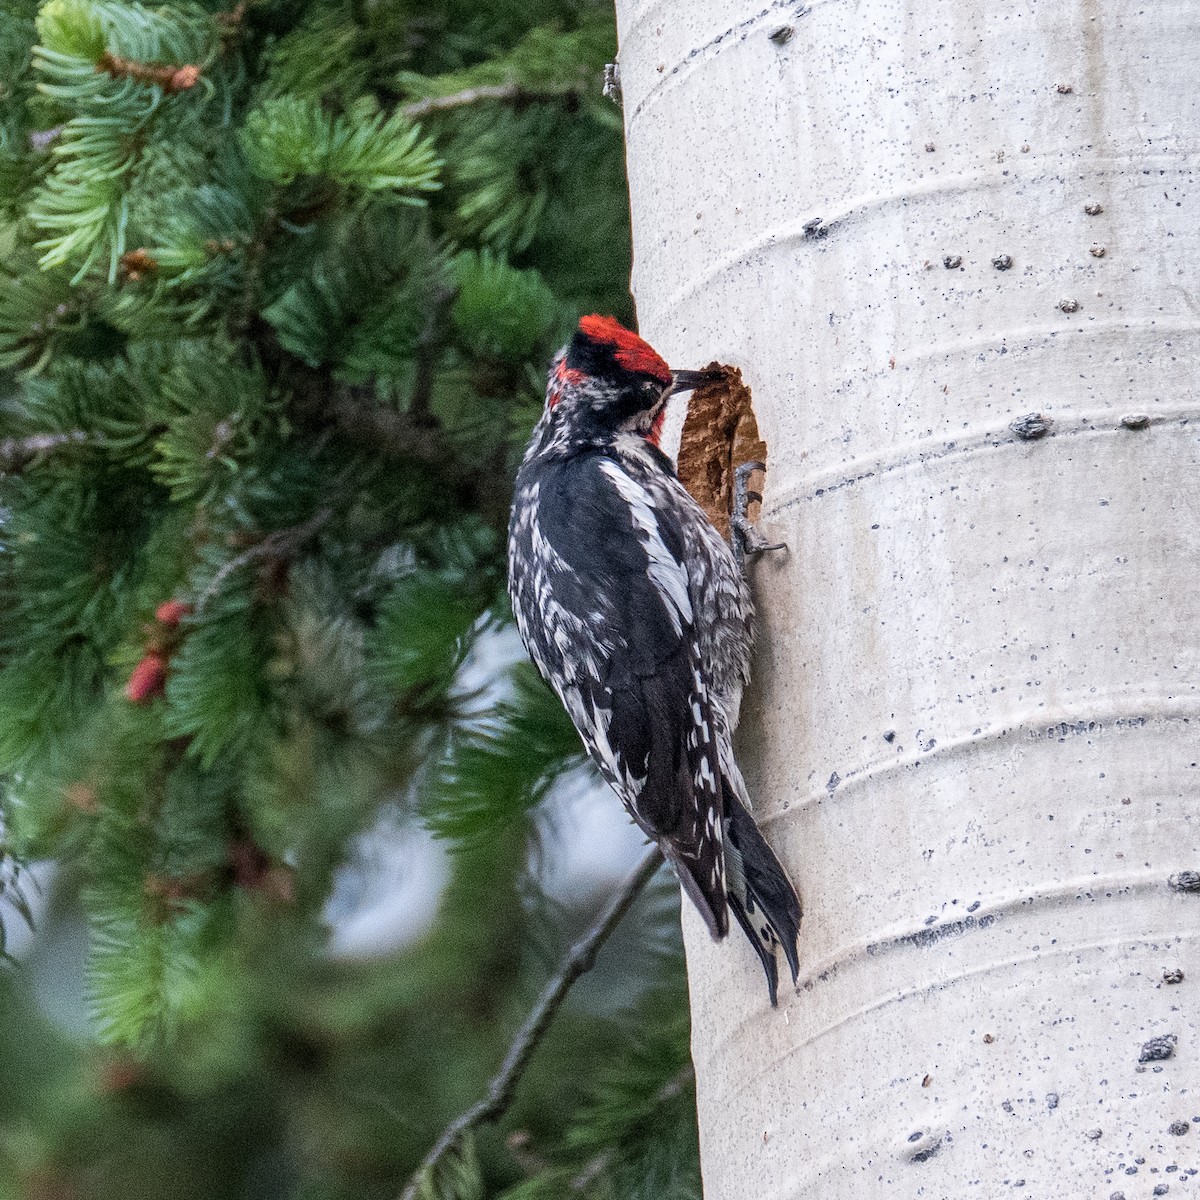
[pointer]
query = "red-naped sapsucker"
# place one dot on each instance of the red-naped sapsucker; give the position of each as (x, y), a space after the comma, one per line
(635, 610)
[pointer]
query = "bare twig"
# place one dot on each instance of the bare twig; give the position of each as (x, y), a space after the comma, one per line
(17, 453)
(497, 91)
(170, 78)
(579, 960)
(280, 543)
(512, 92)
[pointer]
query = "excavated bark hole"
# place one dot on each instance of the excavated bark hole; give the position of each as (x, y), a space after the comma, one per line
(719, 434)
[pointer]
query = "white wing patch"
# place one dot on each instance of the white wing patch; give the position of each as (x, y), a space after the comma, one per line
(669, 576)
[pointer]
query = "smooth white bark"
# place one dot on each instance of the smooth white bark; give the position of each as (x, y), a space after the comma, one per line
(974, 733)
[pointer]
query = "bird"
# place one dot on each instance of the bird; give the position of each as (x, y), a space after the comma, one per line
(636, 611)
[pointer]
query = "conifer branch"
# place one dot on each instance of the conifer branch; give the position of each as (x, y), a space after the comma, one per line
(578, 961)
(595, 1166)
(17, 453)
(279, 544)
(170, 79)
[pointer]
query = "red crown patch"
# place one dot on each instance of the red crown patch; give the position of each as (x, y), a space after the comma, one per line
(630, 351)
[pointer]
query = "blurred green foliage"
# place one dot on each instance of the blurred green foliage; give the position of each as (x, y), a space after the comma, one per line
(279, 281)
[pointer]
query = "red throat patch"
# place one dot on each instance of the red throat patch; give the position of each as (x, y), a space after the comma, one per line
(656, 427)
(630, 351)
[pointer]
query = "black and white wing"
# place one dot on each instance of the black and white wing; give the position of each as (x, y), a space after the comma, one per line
(604, 601)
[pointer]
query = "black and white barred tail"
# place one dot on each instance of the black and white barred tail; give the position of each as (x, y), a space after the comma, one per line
(760, 895)
(748, 880)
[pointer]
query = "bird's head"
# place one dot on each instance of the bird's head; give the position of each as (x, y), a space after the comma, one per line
(607, 380)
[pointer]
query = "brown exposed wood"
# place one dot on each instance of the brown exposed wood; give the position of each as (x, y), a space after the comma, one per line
(719, 434)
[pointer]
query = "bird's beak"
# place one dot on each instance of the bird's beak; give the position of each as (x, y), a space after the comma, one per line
(686, 381)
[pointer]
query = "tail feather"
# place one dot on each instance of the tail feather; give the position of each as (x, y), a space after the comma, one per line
(760, 894)
(734, 871)
(705, 892)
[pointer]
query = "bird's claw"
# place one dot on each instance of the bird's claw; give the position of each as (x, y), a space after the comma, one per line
(743, 536)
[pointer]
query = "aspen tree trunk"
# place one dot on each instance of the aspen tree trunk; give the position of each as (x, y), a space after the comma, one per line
(974, 732)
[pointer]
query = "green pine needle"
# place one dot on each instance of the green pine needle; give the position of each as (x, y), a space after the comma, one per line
(500, 765)
(82, 206)
(457, 1177)
(218, 694)
(500, 309)
(210, 409)
(75, 34)
(36, 307)
(290, 137)
(145, 969)
(362, 305)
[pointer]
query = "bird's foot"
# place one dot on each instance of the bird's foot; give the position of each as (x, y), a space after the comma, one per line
(743, 536)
